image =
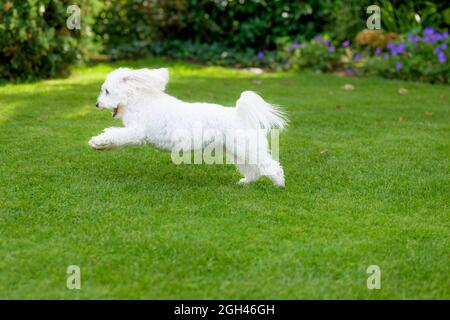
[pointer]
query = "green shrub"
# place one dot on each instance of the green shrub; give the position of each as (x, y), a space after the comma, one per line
(125, 28)
(416, 57)
(406, 16)
(210, 54)
(133, 28)
(321, 54)
(34, 39)
(344, 19)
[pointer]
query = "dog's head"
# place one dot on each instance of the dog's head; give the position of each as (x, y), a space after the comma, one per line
(123, 85)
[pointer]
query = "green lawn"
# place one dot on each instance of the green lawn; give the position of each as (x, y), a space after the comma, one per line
(367, 183)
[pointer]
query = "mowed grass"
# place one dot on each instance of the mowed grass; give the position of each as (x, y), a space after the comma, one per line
(367, 183)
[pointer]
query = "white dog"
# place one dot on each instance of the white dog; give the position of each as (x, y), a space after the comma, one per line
(151, 116)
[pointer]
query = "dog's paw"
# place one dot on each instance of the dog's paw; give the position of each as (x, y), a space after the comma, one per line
(244, 181)
(99, 143)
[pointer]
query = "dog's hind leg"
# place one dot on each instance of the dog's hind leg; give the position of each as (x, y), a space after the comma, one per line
(273, 170)
(238, 147)
(249, 171)
(253, 160)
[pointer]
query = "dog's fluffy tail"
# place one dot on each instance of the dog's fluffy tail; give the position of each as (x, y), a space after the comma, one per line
(258, 113)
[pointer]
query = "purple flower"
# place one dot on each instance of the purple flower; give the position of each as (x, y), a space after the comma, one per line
(443, 46)
(260, 55)
(392, 48)
(346, 43)
(295, 44)
(413, 38)
(331, 49)
(378, 51)
(318, 38)
(326, 42)
(396, 49)
(357, 57)
(430, 35)
(436, 50)
(428, 31)
(444, 35)
(398, 66)
(441, 57)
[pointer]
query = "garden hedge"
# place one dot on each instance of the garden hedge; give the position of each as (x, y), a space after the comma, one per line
(35, 41)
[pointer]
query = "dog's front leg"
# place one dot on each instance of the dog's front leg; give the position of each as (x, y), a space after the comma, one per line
(117, 137)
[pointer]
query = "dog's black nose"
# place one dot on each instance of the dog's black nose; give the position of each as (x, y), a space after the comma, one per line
(96, 104)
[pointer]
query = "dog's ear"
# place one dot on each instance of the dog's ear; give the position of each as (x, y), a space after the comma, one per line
(161, 77)
(149, 78)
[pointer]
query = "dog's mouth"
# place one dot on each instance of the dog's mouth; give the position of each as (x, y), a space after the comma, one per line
(115, 111)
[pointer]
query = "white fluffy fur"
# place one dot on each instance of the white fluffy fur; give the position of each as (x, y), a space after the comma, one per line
(151, 116)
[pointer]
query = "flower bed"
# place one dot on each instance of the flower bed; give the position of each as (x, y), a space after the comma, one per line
(415, 57)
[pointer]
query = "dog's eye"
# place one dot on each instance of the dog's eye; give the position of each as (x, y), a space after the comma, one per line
(106, 90)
